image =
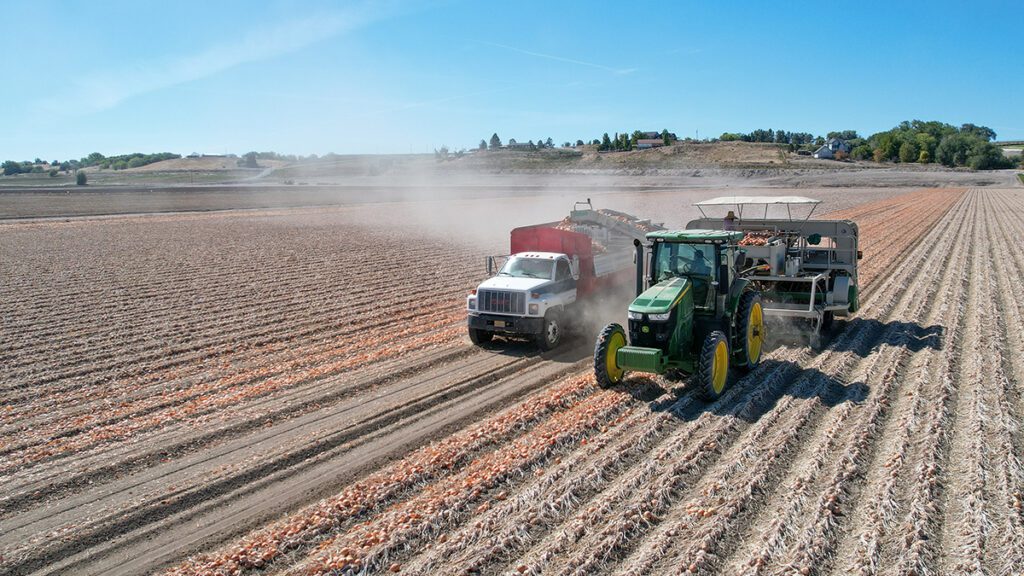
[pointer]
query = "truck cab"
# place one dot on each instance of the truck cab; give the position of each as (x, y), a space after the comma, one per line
(554, 271)
(527, 295)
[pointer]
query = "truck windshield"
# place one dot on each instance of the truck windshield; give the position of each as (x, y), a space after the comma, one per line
(527, 268)
(672, 260)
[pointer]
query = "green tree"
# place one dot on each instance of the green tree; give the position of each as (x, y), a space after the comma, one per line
(984, 155)
(924, 157)
(248, 160)
(53, 173)
(495, 141)
(93, 159)
(482, 145)
(908, 152)
(549, 142)
(11, 168)
(606, 142)
(80, 178)
(984, 132)
(953, 150)
(843, 135)
(665, 138)
(579, 142)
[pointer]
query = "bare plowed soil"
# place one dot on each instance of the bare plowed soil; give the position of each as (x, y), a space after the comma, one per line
(239, 397)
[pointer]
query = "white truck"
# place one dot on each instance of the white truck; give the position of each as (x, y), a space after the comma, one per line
(552, 270)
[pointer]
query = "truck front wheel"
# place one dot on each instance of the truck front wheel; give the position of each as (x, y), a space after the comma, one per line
(551, 333)
(479, 337)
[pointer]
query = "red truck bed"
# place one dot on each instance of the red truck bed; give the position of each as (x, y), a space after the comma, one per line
(547, 238)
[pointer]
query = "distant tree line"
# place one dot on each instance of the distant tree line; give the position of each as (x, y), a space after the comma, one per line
(921, 142)
(625, 141)
(250, 159)
(913, 141)
(495, 143)
(11, 167)
(620, 142)
(794, 139)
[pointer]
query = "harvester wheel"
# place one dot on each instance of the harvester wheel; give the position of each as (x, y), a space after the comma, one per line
(606, 369)
(750, 330)
(479, 337)
(551, 333)
(713, 365)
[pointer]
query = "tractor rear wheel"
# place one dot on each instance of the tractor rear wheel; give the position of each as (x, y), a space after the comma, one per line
(750, 330)
(606, 369)
(479, 337)
(713, 365)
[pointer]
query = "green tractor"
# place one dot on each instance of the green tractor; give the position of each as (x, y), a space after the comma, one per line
(694, 313)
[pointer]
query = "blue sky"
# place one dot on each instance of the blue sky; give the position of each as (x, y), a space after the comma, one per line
(379, 77)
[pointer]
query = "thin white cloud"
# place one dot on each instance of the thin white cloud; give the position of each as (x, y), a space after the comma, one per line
(102, 90)
(562, 59)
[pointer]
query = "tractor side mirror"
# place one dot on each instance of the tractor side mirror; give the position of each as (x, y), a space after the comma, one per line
(574, 267)
(723, 279)
(490, 266)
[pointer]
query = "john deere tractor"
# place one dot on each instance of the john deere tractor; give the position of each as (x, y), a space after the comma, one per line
(693, 313)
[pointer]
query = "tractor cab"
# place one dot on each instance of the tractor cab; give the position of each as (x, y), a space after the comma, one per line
(704, 257)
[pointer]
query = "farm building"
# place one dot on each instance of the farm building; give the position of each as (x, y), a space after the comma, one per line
(645, 143)
(830, 148)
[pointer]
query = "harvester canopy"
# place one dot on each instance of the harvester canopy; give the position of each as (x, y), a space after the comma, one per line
(739, 202)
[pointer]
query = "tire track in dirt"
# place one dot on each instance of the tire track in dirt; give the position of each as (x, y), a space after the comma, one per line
(477, 387)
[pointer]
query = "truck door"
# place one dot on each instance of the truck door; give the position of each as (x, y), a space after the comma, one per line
(565, 285)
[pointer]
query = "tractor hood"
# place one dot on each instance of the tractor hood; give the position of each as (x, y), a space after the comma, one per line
(661, 297)
(513, 283)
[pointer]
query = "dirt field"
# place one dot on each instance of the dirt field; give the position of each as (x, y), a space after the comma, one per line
(291, 391)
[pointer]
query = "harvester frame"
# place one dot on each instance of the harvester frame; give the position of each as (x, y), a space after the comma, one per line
(805, 269)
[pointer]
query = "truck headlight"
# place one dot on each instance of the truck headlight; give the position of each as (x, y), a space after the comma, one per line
(471, 303)
(534, 309)
(635, 315)
(659, 317)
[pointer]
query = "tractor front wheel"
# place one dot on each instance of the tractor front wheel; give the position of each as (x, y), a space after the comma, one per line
(713, 365)
(606, 369)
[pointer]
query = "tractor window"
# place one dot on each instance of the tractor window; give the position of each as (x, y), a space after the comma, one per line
(672, 260)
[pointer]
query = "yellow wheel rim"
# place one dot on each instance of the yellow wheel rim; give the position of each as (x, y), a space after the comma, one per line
(615, 341)
(755, 333)
(720, 368)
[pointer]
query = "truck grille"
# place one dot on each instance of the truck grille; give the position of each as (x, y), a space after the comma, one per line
(502, 302)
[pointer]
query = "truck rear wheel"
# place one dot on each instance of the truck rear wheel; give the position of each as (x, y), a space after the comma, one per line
(713, 365)
(606, 370)
(551, 333)
(479, 337)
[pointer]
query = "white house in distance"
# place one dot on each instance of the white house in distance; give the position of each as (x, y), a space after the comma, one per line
(829, 149)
